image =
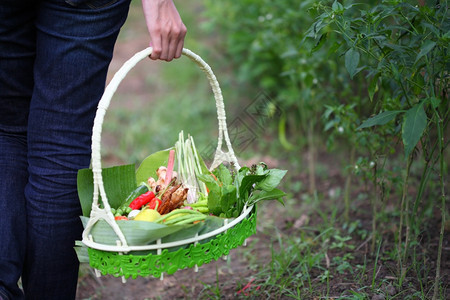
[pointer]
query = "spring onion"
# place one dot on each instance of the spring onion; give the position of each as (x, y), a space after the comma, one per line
(189, 167)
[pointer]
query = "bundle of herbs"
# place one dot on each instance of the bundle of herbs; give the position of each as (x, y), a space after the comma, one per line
(230, 191)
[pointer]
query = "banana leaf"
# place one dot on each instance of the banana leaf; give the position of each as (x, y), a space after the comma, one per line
(137, 233)
(82, 252)
(209, 224)
(150, 164)
(118, 181)
(212, 223)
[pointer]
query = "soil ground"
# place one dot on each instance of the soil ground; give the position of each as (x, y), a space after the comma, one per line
(243, 263)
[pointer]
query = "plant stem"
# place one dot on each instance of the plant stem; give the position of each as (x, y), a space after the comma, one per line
(348, 181)
(424, 178)
(408, 230)
(375, 266)
(373, 202)
(440, 129)
(402, 212)
(378, 182)
(311, 159)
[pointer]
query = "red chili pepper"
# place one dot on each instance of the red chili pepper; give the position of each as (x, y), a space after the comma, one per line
(142, 200)
(154, 203)
(117, 218)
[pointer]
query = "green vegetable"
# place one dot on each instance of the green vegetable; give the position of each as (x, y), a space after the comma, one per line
(202, 209)
(141, 189)
(190, 165)
(180, 216)
(229, 192)
(185, 219)
(191, 220)
(199, 204)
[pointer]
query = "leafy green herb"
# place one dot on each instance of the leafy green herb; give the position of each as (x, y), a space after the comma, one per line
(228, 192)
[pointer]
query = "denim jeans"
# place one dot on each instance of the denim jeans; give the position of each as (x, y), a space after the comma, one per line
(54, 57)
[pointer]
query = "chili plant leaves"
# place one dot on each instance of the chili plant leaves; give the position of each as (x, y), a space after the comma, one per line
(414, 124)
(380, 119)
(214, 203)
(337, 7)
(228, 201)
(352, 61)
(373, 87)
(425, 49)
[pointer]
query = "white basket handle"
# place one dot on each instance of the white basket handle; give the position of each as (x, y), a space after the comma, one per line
(219, 157)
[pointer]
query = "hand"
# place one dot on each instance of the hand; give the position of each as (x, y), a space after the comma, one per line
(165, 27)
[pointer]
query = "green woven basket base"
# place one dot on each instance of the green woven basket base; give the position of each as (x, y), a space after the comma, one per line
(169, 262)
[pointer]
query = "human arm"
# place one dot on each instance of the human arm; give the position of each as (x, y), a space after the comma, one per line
(166, 29)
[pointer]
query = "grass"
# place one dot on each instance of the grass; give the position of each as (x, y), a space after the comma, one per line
(323, 258)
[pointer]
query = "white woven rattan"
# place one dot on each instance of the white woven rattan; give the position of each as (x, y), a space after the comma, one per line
(220, 156)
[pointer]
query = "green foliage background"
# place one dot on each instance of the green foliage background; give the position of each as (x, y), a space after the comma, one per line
(368, 79)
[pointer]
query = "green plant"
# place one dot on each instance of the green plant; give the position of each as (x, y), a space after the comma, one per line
(266, 51)
(403, 46)
(214, 290)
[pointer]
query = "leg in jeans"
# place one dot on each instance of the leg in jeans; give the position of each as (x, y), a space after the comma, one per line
(74, 44)
(17, 50)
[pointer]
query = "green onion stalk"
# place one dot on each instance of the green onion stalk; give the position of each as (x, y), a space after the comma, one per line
(189, 167)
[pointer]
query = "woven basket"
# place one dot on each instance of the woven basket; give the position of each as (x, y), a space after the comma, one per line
(161, 257)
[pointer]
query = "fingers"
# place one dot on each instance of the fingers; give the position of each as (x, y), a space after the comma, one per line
(155, 43)
(179, 50)
(165, 39)
(166, 29)
(171, 48)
